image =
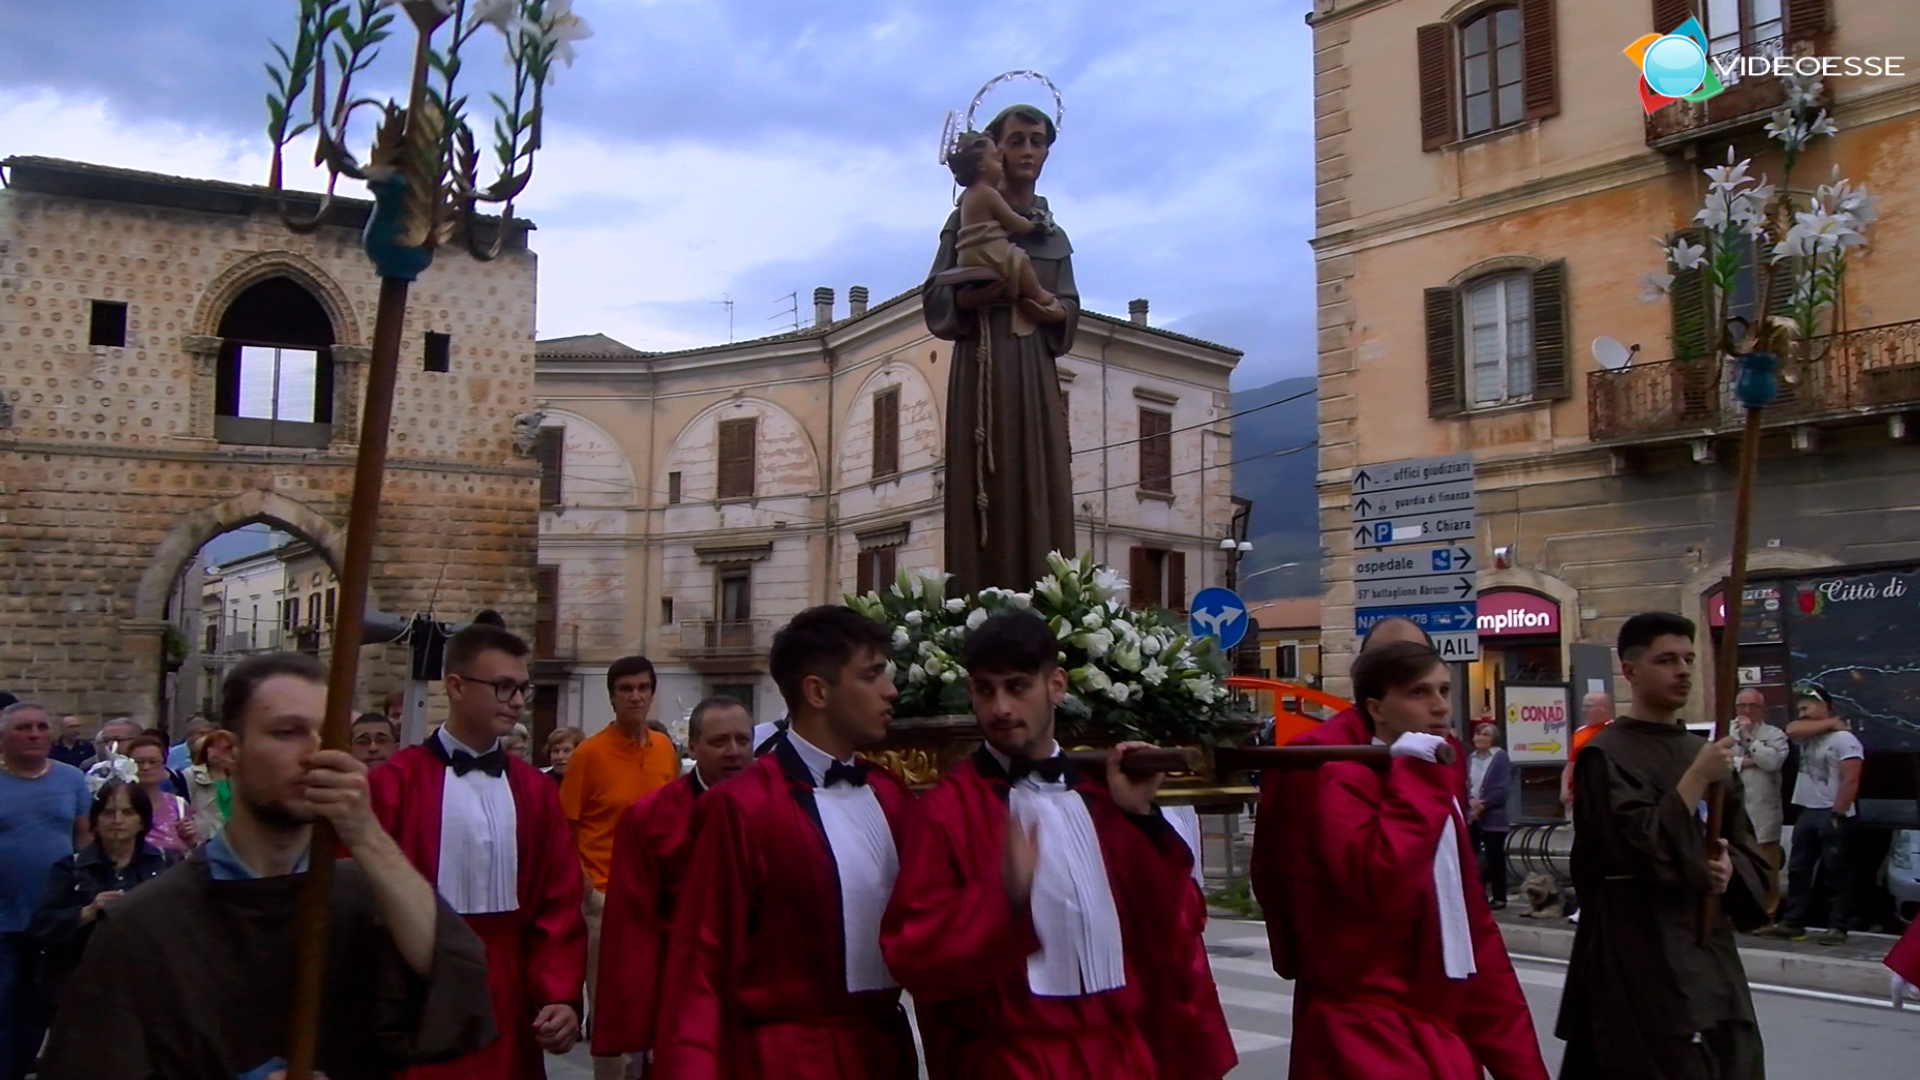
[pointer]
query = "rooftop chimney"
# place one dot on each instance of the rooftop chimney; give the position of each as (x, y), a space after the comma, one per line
(822, 306)
(856, 301)
(1137, 311)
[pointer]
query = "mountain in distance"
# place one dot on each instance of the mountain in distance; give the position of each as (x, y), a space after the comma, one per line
(1278, 477)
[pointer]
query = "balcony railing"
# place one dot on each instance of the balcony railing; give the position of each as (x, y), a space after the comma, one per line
(1747, 100)
(1861, 371)
(724, 638)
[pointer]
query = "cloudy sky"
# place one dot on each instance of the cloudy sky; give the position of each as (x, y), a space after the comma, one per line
(707, 149)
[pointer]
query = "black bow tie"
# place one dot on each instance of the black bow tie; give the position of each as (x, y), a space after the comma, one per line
(493, 762)
(1053, 770)
(838, 772)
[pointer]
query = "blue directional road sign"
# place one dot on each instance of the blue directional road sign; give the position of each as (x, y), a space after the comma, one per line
(1433, 618)
(1218, 613)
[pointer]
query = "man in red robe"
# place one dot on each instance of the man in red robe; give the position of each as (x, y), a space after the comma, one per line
(1903, 965)
(774, 966)
(1373, 904)
(650, 850)
(487, 829)
(1046, 921)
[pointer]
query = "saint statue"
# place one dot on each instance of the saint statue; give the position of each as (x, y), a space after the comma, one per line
(1001, 289)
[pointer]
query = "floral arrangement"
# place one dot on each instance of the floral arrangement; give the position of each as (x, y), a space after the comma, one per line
(1132, 674)
(1805, 235)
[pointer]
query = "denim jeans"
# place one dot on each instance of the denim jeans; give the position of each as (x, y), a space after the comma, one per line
(1819, 844)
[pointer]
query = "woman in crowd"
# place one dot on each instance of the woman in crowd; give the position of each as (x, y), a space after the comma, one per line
(208, 792)
(170, 821)
(87, 882)
(519, 743)
(1490, 776)
(560, 747)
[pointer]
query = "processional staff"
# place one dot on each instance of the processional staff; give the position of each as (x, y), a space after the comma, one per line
(423, 172)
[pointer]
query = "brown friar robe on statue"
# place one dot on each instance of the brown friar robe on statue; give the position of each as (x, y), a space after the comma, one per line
(1023, 470)
(1644, 999)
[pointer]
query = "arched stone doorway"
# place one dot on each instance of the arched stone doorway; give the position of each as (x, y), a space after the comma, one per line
(143, 637)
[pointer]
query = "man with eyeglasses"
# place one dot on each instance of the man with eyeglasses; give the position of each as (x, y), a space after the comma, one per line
(1759, 753)
(488, 830)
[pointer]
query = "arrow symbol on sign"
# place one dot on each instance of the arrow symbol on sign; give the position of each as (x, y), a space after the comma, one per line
(1361, 479)
(1362, 535)
(1465, 587)
(1463, 558)
(1217, 618)
(1363, 507)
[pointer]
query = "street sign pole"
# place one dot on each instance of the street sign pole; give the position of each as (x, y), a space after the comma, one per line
(1414, 532)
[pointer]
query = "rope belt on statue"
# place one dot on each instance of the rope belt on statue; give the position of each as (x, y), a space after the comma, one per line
(982, 442)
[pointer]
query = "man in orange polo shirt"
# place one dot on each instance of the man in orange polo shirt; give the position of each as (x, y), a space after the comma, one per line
(609, 772)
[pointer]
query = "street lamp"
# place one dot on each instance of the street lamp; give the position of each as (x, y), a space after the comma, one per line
(1235, 550)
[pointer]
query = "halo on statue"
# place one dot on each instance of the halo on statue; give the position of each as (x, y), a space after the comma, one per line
(956, 124)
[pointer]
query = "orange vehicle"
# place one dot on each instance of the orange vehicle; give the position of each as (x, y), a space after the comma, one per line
(1289, 704)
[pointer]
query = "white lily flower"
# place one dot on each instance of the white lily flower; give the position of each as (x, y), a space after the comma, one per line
(559, 29)
(956, 605)
(933, 666)
(1127, 656)
(1153, 674)
(1120, 692)
(1106, 583)
(1089, 678)
(1822, 125)
(1729, 175)
(502, 15)
(1655, 287)
(949, 676)
(1023, 601)
(901, 639)
(916, 674)
(1092, 620)
(976, 617)
(1803, 91)
(915, 618)
(1687, 256)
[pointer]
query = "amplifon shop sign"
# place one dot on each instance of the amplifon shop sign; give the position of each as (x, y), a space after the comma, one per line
(1512, 613)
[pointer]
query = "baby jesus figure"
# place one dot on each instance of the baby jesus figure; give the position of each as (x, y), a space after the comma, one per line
(988, 224)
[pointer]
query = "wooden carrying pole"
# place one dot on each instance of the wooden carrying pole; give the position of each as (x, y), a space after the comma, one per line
(1228, 759)
(1726, 683)
(356, 571)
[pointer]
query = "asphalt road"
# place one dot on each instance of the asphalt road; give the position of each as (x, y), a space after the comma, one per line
(1809, 1037)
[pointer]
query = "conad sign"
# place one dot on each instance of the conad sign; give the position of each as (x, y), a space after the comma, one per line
(1511, 613)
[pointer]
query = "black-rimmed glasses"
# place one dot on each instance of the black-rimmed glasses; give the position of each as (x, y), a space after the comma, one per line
(504, 690)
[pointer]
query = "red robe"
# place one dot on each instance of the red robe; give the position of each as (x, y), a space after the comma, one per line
(1904, 960)
(1356, 847)
(651, 846)
(537, 954)
(953, 941)
(757, 957)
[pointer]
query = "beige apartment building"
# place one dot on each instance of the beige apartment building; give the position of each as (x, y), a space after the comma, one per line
(695, 500)
(1487, 187)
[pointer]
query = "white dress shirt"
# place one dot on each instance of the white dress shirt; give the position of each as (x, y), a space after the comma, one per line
(1072, 900)
(866, 860)
(479, 838)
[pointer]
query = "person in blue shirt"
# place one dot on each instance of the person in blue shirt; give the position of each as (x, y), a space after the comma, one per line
(43, 819)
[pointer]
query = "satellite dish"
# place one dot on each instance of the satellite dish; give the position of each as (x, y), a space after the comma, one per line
(1611, 354)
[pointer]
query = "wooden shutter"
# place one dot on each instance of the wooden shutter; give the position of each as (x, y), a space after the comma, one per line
(1446, 394)
(550, 451)
(1139, 569)
(1156, 450)
(864, 572)
(1435, 48)
(1780, 278)
(1177, 580)
(1807, 20)
(673, 488)
(1669, 14)
(886, 432)
(736, 465)
(885, 564)
(1540, 64)
(1552, 364)
(1692, 304)
(546, 611)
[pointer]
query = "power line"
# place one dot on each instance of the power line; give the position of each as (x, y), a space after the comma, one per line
(1208, 423)
(1284, 451)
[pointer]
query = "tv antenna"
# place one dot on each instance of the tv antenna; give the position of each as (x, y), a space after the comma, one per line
(792, 311)
(726, 301)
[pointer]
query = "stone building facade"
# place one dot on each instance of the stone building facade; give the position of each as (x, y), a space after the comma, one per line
(699, 499)
(1476, 232)
(175, 362)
